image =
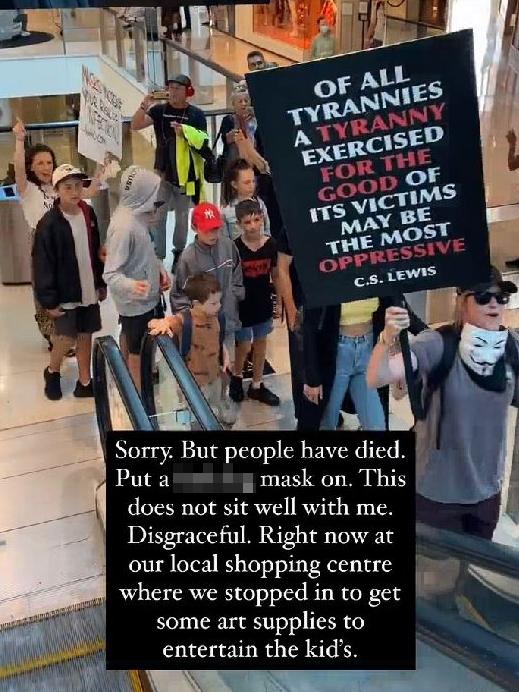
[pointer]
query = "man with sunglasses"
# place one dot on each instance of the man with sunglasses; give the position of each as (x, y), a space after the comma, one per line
(461, 443)
(133, 274)
(256, 61)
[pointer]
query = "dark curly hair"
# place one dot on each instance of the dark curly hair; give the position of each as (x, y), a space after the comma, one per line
(29, 158)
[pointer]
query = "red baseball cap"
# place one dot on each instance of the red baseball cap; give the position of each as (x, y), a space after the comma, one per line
(207, 217)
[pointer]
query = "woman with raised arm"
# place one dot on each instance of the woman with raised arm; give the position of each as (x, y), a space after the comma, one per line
(468, 373)
(33, 169)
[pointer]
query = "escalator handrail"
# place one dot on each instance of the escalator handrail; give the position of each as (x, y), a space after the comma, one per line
(67, 124)
(483, 652)
(498, 558)
(187, 383)
(106, 351)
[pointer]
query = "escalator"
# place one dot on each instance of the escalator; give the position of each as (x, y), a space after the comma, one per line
(465, 639)
(64, 649)
(467, 635)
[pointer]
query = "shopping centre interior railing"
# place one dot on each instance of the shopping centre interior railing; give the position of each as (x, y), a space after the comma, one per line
(117, 401)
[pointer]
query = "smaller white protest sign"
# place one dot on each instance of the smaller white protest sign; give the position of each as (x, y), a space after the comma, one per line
(100, 119)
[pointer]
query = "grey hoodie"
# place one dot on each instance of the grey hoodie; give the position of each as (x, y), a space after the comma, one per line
(223, 261)
(130, 254)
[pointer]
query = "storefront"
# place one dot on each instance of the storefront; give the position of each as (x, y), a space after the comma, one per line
(285, 27)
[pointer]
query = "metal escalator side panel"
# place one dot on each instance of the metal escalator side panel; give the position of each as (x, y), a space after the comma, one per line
(180, 375)
(481, 651)
(107, 358)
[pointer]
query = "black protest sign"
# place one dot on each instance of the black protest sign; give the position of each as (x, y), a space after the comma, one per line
(376, 161)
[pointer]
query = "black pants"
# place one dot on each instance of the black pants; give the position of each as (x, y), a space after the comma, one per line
(295, 351)
(478, 519)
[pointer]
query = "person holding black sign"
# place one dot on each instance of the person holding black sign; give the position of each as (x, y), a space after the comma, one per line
(337, 344)
(292, 297)
(469, 377)
(177, 158)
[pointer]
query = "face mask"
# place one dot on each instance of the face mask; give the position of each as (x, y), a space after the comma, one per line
(480, 349)
(324, 29)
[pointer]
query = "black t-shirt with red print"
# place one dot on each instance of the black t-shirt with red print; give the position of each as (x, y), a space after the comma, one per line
(257, 267)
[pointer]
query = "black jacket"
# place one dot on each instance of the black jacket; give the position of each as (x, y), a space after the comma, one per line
(321, 328)
(55, 266)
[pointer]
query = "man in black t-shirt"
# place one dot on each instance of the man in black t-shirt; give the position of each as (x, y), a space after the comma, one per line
(167, 120)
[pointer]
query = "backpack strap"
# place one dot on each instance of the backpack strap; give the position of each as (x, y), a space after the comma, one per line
(218, 136)
(187, 330)
(450, 338)
(221, 322)
(512, 354)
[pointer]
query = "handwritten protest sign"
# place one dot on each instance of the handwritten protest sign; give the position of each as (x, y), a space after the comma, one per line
(100, 119)
(376, 161)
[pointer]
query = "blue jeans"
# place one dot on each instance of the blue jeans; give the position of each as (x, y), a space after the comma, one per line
(353, 354)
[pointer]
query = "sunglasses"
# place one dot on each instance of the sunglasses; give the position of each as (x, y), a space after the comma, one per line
(485, 297)
(158, 205)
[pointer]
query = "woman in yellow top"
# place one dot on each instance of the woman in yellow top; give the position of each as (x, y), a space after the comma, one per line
(354, 349)
(338, 341)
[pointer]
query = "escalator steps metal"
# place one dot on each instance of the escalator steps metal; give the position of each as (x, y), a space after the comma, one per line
(61, 650)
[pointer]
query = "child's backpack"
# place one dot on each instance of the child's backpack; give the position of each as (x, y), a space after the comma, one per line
(187, 331)
(451, 338)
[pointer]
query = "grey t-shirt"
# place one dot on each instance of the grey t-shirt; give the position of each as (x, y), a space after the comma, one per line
(469, 465)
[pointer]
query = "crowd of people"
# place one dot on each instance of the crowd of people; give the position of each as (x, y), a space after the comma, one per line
(237, 275)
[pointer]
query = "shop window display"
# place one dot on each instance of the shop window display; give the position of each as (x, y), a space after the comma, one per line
(293, 21)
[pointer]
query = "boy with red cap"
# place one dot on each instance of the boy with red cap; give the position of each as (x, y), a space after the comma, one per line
(214, 253)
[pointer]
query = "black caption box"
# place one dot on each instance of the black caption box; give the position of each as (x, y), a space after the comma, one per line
(268, 561)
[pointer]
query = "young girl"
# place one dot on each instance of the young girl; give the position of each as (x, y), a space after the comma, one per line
(239, 184)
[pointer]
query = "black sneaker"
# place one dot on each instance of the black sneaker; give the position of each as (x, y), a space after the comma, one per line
(514, 264)
(84, 391)
(52, 385)
(263, 395)
(236, 389)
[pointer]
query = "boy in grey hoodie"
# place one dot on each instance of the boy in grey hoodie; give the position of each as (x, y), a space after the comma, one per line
(216, 254)
(133, 274)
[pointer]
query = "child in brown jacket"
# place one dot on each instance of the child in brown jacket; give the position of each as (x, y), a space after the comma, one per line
(206, 355)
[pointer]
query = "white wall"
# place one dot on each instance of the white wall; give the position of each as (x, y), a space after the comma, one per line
(51, 76)
(45, 76)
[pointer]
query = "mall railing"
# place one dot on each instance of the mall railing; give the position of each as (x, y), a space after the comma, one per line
(117, 401)
(399, 30)
(138, 48)
(170, 394)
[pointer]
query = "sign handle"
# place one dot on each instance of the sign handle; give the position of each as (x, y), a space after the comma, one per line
(412, 389)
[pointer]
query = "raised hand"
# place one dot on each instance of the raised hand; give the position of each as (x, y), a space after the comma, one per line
(19, 130)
